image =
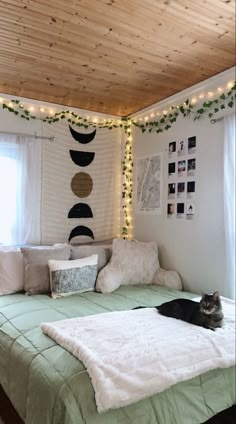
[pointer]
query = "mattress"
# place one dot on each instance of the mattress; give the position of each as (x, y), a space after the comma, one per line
(46, 384)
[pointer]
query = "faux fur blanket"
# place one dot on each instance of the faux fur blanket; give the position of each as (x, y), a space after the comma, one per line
(131, 355)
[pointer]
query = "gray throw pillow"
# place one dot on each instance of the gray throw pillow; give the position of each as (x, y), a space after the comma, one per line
(103, 252)
(36, 266)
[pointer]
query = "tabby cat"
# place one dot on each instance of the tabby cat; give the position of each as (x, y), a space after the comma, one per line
(207, 313)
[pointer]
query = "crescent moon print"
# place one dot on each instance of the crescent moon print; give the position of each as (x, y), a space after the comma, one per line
(82, 138)
(82, 158)
(81, 230)
(80, 210)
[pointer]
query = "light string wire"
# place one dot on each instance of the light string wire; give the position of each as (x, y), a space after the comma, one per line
(190, 109)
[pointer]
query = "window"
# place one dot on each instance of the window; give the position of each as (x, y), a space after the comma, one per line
(20, 189)
(8, 183)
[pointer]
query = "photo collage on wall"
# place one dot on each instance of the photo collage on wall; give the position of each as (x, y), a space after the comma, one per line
(181, 178)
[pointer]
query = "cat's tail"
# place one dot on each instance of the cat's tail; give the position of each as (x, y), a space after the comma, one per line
(142, 307)
(139, 307)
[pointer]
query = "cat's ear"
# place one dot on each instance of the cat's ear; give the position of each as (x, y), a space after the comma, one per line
(216, 295)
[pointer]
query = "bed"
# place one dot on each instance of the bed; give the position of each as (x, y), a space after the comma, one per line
(46, 384)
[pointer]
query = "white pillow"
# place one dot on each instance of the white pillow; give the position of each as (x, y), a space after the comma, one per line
(11, 270)
(74, 276)
(132, 262)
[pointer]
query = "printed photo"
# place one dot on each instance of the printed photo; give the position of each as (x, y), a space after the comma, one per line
(170, 209)
(190, 210)
(181, 148)
(181, 167)
(171, 191)
(191, 167)
(190, 189)
(180, 210)
(171, 168)
(191, 145)
(181, 189)
(172, 147)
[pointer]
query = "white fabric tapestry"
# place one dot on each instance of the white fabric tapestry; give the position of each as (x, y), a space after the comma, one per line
(229, 204)
(104, 175)
(20, 189)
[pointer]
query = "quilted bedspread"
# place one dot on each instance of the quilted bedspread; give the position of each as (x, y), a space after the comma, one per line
(48, 385)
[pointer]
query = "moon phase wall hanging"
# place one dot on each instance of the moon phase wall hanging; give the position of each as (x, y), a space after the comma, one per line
(81, 184)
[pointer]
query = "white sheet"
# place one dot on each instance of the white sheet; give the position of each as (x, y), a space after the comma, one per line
(131, 355)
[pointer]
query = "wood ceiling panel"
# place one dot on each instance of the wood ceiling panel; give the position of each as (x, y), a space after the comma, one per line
(112, 56)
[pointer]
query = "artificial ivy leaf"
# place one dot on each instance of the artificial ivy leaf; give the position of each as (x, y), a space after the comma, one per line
(230, 104)
(222, 96)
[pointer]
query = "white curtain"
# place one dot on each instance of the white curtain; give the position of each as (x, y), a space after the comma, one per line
(229, 204)
(20, 189)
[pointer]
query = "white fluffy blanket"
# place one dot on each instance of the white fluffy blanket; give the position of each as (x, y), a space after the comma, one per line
(131, 355)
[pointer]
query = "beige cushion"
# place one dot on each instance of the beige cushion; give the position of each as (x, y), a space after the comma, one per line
(169, 279)
(103, 252)
(11, 270)
(132, 262)
(36, 266)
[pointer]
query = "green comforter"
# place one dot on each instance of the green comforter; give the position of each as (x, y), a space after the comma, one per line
(47, 384)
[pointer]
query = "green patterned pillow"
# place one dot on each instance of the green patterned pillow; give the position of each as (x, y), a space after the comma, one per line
(74, 276)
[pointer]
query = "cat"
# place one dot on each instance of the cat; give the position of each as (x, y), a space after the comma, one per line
(207, 313)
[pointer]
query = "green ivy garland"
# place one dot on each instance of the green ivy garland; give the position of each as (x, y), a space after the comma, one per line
(164, 123)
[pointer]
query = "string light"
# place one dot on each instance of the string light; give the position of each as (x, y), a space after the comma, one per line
(51, 112)
(31, 108)
(1, 100)
(42, 109)
(230, 84)
(194, 100)
(10, 104)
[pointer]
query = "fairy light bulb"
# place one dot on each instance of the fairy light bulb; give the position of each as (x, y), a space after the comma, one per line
(210, 94)
(1, 100)
(31, 108)
(219, 89)
(42, 109)
(230, 84)
(10, 104)
(194, 100)
(201, 96)
(51, 112)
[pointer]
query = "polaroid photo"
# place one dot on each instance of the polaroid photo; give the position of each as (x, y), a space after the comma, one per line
(190, 211)
(191, 187)
(191, 167)
(181, 147)
(170, 210)
(180, 210)
(171, 191)
(171, 169)
(192, 145)
(172, 148)
(181, 168)
(180, 190)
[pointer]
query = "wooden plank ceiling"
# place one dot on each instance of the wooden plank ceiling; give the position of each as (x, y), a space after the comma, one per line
(112, 56)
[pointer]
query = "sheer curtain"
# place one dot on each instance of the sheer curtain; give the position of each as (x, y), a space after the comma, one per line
(229, 204)
(20, 189)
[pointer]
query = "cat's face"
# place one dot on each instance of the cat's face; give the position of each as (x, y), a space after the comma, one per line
(210, 303)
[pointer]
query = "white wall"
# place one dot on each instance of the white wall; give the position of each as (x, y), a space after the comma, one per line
(194, 248)
(58, 170)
